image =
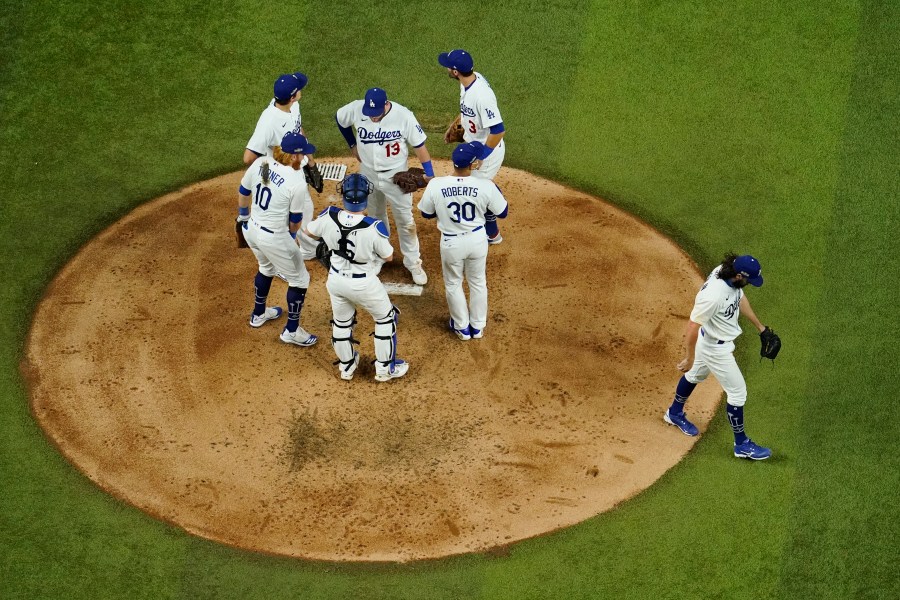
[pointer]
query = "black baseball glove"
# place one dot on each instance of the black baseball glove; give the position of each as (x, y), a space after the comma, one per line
(771, 344)
(239, 234)
(323, 255)
(314, 177)
(410, 180)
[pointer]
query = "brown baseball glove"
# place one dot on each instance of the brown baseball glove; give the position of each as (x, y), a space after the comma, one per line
(239, 234)
(410, 180)
(454, 134)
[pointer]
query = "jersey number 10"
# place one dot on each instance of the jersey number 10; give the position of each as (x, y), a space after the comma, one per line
(263, 196)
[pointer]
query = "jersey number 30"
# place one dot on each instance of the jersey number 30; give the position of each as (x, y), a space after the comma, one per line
(263, 196)
(464, 212)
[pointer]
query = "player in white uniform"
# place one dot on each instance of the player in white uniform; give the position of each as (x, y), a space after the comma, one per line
(460, 202)
(278, 191)
(481, 121)
(382, 131)
(279, 117)
(359, 245)
(709, 347)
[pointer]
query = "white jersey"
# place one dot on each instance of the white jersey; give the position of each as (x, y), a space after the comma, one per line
(478, 110)
(460, 202)
(358, 243)
(272, 125)
(717, 308)
(382, 145)
(286, 192)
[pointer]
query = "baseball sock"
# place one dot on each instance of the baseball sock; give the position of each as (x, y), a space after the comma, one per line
(682, 392)
(261, 285)
(295, 298)
(490, 225)
(736, 418)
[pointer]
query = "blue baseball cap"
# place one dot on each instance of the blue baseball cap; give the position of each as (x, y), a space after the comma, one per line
(456, 59)
(295, 143)
(376, 100)
(288, 85)
(465, 154)
(749, 267)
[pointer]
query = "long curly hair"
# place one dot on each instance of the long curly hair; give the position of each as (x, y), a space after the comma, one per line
(728, 271)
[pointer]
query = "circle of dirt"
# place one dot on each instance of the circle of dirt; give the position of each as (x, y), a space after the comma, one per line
(144, 373)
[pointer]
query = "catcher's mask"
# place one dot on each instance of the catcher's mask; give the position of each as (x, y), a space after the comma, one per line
(355, 190)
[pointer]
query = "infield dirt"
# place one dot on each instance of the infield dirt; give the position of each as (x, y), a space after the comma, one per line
(144, 373)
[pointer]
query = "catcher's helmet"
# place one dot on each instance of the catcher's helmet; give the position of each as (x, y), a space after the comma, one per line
(355, 190)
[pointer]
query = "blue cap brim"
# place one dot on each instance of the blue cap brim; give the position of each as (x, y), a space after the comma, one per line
(372, 112)
(309, 149)
(302, 79)
(444, 60)
(756, 281)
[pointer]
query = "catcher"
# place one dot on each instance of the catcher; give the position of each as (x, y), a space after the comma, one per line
(709, 347)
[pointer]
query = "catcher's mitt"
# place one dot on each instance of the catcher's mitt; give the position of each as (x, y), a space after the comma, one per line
(410, 180)
(323, 255)
(239, 234)
(454, 134)
(771, 344)
(314, 177)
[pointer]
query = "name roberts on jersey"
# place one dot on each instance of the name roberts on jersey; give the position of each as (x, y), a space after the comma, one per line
(459, 203)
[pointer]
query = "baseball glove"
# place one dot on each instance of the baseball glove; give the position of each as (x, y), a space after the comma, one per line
(410, 180)
(239, 234)
(323, 255)
(771, 344)
(314, 177)
(454, 134)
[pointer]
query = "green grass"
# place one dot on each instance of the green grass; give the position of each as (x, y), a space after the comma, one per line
(758, 127)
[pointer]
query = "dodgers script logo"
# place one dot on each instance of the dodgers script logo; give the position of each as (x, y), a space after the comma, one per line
(377, 137)
(466, 111)
(732, 308)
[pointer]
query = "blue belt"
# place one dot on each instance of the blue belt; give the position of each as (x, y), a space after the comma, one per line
(465, 233)
(266, 229)
(353, 275)
(717, 341)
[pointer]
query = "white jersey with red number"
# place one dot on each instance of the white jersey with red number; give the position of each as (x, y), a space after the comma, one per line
(478, 110)
(460, 202)
(717, 308)
(286, 192)
(382, 145)
(272, 125)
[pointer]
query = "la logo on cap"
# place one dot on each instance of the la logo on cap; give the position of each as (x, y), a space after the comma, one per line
(372, 103)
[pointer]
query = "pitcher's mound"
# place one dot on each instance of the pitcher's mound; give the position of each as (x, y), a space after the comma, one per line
(144, 372)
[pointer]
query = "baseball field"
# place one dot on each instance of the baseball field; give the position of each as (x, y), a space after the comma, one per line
(755, 127)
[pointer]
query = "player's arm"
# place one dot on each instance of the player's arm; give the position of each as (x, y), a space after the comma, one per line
(250, 156)
(425, 158)
(298, 203)
(257, 144)
(344, 120)
(497, 203)
(426, 204)
(383, 247)
(748, 312)
(243, 203)
(691, 332)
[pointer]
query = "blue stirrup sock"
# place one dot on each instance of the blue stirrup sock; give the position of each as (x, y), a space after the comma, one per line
(736, 419)
(295, 298)
(682, 392)
(261, 285)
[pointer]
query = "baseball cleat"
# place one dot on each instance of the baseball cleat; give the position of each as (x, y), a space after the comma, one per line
(680, 421)
(462, 334)
(301, 337)
(348, 371)
(752, 451)
(497, 239)
(476, 334)
(418, 274)
(397, 369)
(272, 312)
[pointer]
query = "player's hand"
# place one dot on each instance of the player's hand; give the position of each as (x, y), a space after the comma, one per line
(685, 365)
(476, 164)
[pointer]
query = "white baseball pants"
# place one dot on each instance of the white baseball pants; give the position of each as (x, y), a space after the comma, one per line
(490, 167)
(387, 192)
(277, 253)
(718, 359)
(464, 256)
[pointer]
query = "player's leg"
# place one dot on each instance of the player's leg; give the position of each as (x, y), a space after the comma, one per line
(452, 264)
(288, 261)
(374, 299)
(343, 319)
(488, 170)
(475, 274)
(699, 371)
(262, 282)
(725, 368)
(401, 208)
